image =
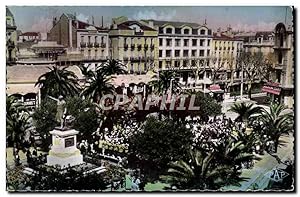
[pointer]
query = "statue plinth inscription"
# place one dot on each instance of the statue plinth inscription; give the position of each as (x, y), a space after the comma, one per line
(63, 151)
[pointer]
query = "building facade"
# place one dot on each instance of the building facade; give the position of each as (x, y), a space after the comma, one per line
(262, 42)
(184, 47)
(135, 44)
(281, 87)
(226, 50)
(76, 35)
(30, 37)
(11, 37)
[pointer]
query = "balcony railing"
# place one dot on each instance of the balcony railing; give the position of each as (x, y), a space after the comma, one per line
(82, 44)
(152, 47)
(90, 45)
(146, 47)
(103, 45)
(125, 47)
(132, 46)
(125, 59)
(96, 45)
(139, 47)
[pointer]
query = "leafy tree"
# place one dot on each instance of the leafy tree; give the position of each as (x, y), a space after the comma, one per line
(199, 171)
(256, 67)
(208, 106)
(17, 123)
(86, 117)
(44, 121)
(58, 81)
(159, 143)
(245, 111)
(277, 122)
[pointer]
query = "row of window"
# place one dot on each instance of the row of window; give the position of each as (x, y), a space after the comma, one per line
(139, 40)
(170, 30)
(224, 48)
(184, 53)
(94, 39)
(178, 63)
(186, 42)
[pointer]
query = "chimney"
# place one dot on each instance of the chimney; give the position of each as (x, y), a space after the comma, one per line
(101, 21)
(219, 31)
(54, 21)
(70, 34)
(151, 24)
(93, 22)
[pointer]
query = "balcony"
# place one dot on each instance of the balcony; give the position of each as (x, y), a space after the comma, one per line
(152, 47)
(125, 47)
(125, 59)
(82, 44)
(139, 47)
(146, 47)
(90, 45)
(284, 47)
(132, 46)
(103, 45)
(96, 45)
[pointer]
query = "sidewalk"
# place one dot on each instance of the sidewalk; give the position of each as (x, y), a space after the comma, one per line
(257, 174)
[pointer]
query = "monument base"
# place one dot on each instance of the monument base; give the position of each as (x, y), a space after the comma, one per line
(63, 151)
(64, 162)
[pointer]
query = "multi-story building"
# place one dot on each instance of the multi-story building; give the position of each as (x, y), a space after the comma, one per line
(30, 37)
(92, 41)
(262, 42)
(183, 47)
(225, 51)
(11, 37)
(281, 88)
(135, 44)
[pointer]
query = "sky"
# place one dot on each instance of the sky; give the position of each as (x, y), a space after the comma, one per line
(39, 18)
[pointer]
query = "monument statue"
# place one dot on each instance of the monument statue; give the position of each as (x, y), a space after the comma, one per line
(61, 110)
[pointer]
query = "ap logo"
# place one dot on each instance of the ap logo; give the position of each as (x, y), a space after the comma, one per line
(277, 174)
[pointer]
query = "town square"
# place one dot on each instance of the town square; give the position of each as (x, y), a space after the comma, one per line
(150, 98)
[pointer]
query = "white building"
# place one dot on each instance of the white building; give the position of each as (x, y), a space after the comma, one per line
(183, 47)
(93, 42)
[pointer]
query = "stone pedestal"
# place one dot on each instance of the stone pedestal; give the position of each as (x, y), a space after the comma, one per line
(63, 150)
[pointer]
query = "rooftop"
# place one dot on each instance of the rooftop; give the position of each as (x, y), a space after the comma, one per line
(126, 26)
(176, 24)
(30, 34)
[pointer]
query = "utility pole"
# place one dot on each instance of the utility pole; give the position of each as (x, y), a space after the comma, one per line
(242, 82)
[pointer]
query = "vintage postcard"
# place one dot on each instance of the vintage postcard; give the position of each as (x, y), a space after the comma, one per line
(143, 99)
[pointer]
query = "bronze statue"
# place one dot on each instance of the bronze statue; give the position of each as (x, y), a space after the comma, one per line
(61, 110)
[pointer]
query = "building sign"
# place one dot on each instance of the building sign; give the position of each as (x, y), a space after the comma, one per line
(272, 88)
(69, 142)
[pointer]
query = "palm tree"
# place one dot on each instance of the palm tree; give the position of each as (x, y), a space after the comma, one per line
(235, 153)
(245, 111)
(162, 83)
(112, 66)
(97, 85)
(17, 123)
(200, 173)
(277, 122)
(58, 81)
